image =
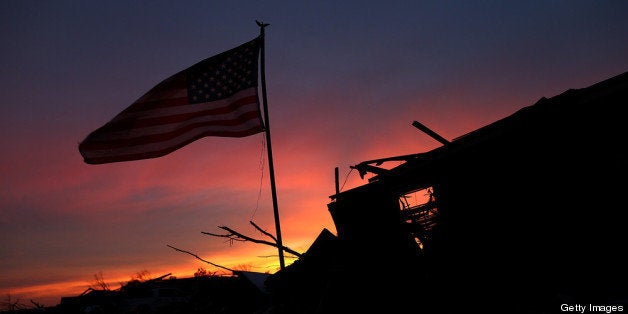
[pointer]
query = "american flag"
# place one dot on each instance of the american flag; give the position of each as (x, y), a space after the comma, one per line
(215, 97)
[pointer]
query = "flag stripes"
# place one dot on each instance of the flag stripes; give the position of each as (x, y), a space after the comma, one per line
(166, 118)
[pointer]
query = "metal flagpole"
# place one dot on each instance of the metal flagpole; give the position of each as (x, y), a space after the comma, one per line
(271, 168)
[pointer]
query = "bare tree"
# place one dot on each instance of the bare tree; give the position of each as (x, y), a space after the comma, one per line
(99, 282)
(141, 276)
(243, 267)
(202, 272)
(11, 304)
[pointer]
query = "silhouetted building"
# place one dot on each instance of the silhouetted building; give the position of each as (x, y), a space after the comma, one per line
(518, 216)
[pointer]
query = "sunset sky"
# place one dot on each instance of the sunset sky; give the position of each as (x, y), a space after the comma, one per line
(345, 80)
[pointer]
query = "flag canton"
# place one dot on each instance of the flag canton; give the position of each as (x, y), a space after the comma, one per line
(223, 75)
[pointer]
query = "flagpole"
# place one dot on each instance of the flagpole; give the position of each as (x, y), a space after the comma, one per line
(271, 168)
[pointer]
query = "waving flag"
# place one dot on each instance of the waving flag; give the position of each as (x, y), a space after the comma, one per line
(215, 97)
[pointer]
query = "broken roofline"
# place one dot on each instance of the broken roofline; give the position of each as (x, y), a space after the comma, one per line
(570, 97)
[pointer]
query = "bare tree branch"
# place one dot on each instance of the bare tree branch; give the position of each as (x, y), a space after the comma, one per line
(37, 304)
(263, 231)
(268, 256)
(231, 237)
(236, 236)
(197, 257)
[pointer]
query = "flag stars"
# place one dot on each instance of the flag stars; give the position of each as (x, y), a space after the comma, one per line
(217, 78)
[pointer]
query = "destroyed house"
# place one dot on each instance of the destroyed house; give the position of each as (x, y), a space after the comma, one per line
(520, 216)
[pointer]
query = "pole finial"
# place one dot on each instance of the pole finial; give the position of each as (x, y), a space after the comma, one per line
(261, 24)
